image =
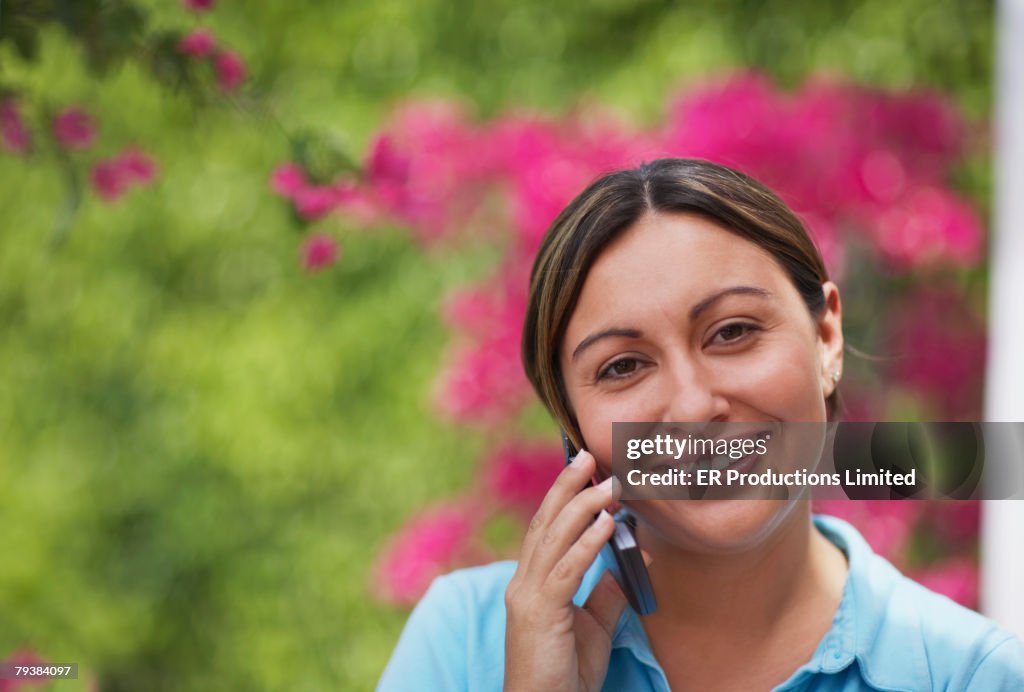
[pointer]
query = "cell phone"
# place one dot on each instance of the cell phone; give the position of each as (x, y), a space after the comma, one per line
(622, 554)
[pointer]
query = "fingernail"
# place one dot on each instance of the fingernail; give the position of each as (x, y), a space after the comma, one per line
(577, 461)
(606, 484)
(603, 517)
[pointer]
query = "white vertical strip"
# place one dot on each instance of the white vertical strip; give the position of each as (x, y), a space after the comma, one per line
(1002, 539)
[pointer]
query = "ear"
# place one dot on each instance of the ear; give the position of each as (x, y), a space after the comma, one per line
(830, 339)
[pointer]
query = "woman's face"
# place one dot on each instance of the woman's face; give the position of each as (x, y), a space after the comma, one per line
(680, 320)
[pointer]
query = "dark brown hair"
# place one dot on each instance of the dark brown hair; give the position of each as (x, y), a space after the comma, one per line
(611, 205)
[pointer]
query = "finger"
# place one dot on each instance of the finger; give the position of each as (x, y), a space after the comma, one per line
(569, 482)
(566, 528)
(606, 603)
(565, 576)
(604, 606)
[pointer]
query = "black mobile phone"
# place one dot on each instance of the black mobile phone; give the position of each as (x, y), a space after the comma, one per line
(622, 554)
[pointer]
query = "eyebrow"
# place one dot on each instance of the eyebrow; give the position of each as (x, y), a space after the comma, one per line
(614, 331)
(695, 312)
(732, 290)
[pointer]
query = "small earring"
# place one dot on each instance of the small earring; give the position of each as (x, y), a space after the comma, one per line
(835, 377)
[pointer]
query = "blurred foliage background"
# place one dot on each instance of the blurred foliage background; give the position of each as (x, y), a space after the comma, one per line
(202, 446)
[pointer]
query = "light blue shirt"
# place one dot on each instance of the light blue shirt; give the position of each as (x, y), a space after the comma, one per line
(889, 633)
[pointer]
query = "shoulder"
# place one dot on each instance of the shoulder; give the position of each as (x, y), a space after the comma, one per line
(476, 588)
(471, 599)
(905, 634)
(962, 647)
(455, 637)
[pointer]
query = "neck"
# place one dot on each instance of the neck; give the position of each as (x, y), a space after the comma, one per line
(793, 572)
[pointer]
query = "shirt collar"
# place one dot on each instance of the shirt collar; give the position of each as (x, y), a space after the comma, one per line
(858, 633)
(872, 625)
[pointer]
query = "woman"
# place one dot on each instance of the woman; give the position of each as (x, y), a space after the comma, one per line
(685, 291)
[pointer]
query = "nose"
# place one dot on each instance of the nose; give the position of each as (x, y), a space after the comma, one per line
(689, 394)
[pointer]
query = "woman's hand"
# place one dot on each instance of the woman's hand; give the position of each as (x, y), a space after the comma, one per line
(550, 644)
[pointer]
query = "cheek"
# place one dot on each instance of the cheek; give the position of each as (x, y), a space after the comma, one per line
(780, 381)
(596, 415)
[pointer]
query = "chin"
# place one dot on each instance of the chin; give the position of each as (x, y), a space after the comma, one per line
(713, 526)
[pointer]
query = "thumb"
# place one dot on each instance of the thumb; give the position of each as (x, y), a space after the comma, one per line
(606, 603)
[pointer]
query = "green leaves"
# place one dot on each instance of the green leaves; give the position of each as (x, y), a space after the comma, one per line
(108, 31)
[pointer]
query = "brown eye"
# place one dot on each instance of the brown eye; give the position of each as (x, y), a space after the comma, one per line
(733, 332)
(623, 367)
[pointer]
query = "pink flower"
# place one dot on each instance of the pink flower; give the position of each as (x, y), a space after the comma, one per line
(431, 543)
(923, 126)
(735, 122)
(112, 177)
(426, 169)
(545, 164)
(230, 70)
(315, 201)
(956, 578)
(844, 157)
(498, 305)
(74, 128)
(519, 475)
(386, 166)
(883, 176)
(199, 43)
(929, 224)
(14, 135)
(956, 521)
(312, 202)
(472, 309)
(198, 5)
(108, 180)
(287, 179)
(485, 382)
(937, 347)
(136, 166)
(406, 197)
(357, 203)
(319, 251)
